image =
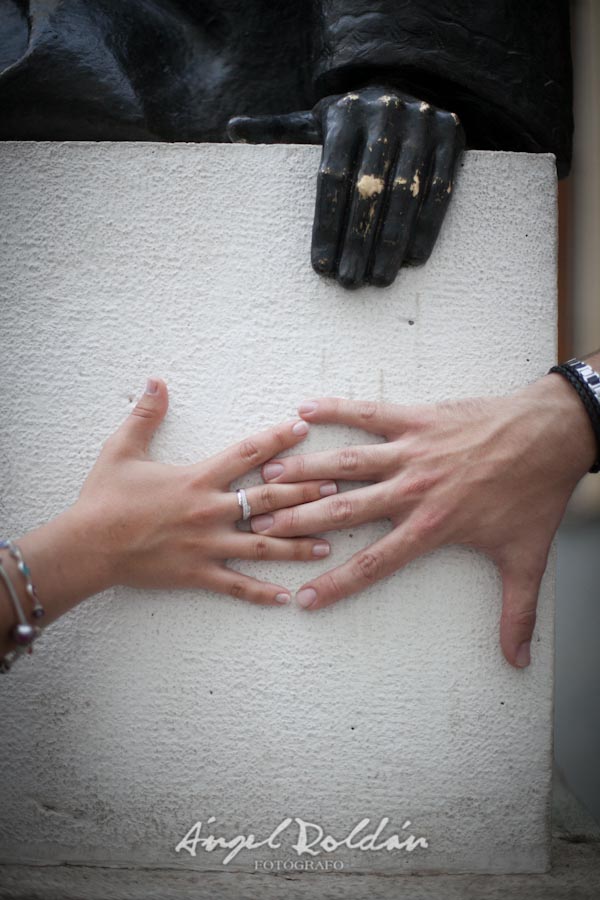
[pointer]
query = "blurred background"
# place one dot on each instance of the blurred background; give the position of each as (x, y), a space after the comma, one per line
(577, 686)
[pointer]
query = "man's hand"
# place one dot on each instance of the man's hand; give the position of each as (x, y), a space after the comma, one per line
(384, 182)
(494, 474)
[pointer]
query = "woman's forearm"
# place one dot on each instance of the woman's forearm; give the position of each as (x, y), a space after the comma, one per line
(67, 563)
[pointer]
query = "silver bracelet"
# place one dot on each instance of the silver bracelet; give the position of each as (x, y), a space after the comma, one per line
(586, 382)
(589, 376)
(23, 633)
(15, 552)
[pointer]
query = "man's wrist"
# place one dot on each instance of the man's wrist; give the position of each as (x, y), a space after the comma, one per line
(574, 436)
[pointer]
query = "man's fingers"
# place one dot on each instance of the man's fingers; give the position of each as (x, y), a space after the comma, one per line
(368, 566)
(520, 589)
(378, 418)
(358, 463)
(225, 581)
(291, 128)
(331, 514)
(261, 547)
(234, 462)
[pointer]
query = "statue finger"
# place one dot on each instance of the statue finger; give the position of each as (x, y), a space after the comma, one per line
(291, 128)
(334, 183)
(449, 144)
(368, 199)
(401, 213)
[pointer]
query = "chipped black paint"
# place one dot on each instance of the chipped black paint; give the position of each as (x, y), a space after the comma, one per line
(384, 182)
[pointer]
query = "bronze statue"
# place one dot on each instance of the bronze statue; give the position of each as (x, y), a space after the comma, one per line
(390, 88)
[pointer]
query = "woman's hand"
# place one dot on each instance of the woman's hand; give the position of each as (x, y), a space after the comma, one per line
(175, 526)
(494, 474)
(146, 524)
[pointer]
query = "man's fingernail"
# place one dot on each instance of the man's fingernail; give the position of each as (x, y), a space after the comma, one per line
(300, 428)
(306, 597)
(329, 488)
(152, 386)
(272, 470)
(309, 406)
(283, 598)
(262, 523)
(321, 549)
(524, 654)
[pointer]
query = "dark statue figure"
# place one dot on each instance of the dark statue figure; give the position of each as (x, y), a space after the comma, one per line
(391, 88)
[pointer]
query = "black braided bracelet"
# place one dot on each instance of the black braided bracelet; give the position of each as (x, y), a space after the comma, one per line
(587, 384)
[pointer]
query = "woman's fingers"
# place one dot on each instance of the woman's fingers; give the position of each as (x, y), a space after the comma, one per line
(225, 581)
(239, 459)
(368, 566)
(268, 497)
(133, 437)
(330, 514)
(360, 463)
(258, 547)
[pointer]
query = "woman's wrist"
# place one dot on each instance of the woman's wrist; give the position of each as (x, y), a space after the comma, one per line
(68, 560)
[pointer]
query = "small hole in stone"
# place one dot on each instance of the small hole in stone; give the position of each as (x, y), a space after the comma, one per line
(411, 321)
(502, 703)
(210, 692)
(352, 728)
(130, 398)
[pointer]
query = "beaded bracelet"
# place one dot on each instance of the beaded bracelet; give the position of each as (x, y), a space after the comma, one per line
(15, 552)
(23, 633)
(586, 382)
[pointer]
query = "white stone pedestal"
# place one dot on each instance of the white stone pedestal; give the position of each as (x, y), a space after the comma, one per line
(142, 713)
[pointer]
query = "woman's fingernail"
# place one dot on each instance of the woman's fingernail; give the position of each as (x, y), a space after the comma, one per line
(262, 523)
(307, 407)
(306, 597)
(272, 470)
(524, 654)
(329, 488)
(300, 428)
(321, 549)
(283, 598)
(152, 386)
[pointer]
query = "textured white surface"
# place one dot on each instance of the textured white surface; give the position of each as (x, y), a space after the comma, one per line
(142, 713)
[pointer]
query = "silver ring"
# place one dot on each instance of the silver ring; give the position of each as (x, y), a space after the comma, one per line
(244, 505)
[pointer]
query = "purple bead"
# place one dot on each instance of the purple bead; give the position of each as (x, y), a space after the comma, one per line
(23, 634)
(38, 612)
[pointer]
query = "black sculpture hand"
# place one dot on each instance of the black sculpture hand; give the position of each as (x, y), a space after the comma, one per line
(385, 178)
